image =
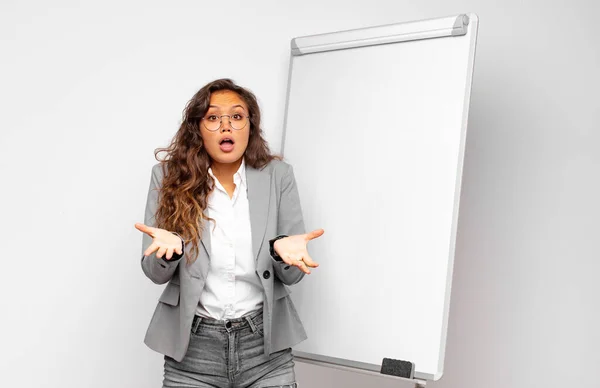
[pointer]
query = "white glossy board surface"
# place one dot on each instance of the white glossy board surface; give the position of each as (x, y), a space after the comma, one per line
(376, 138)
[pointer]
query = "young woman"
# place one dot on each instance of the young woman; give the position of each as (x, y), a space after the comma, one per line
(223, 227)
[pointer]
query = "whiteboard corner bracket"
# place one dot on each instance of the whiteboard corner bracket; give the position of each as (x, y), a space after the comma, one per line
(460, 25)
(295, 50)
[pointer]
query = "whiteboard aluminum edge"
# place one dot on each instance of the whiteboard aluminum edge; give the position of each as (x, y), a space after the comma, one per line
(474, 24)
(287, 102)
(467, 21)
(390, 33)
(349, 366)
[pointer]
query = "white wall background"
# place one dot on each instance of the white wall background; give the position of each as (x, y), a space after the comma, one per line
(88, 91)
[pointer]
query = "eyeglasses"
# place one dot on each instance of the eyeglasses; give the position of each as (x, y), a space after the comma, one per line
(213, 122)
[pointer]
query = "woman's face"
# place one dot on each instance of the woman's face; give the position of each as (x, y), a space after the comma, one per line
(225, 145)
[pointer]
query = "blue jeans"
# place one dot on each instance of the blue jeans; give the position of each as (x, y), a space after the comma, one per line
(230, 354)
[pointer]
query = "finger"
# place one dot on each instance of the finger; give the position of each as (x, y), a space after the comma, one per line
(309, 261)
(178, 248)
(144, 228)
(314, 234)
(151, 249)
(161, 252)
(169, 253)
(300, 264)
(297, 261)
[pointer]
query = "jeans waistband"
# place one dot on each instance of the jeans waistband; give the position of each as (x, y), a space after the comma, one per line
(252, 320)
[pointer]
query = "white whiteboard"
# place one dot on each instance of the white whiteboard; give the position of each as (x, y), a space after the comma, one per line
(375, 129)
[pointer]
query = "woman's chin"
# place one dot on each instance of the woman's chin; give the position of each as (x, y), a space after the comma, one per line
(226, 157)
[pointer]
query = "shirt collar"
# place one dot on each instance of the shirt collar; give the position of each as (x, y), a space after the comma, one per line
(241, 173)
(239, 176)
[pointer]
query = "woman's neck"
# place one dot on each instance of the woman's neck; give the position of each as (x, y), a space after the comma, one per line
(225, 171)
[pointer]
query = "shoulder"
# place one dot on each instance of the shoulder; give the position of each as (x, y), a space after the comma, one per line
(278, 169)
(157, 170)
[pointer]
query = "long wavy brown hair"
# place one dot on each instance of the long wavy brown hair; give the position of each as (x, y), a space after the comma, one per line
(186, 183)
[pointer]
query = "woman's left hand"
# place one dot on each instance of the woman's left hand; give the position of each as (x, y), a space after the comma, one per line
(292, 250)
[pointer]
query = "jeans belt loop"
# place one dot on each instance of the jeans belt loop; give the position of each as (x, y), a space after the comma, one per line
(198, 320)
(251, 323)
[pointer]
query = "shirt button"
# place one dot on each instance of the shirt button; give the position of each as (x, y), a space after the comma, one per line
(228, 324)
(266, 274)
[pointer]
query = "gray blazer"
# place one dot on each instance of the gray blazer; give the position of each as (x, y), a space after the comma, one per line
(274, 210)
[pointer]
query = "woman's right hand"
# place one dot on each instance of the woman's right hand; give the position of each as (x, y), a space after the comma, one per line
(163, 241)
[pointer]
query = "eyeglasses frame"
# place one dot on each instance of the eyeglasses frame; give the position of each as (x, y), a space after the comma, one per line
(229, 118)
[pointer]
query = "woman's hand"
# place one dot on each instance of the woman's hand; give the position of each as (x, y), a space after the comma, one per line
(163, 241)
(292, 250)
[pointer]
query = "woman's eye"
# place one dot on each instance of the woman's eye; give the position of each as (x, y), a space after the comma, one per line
(212, 118)
(237, 116)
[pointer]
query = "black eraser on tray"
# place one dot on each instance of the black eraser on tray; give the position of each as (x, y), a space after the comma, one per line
(399, 368)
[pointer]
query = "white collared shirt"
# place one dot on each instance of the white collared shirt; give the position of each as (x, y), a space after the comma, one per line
(232, 286)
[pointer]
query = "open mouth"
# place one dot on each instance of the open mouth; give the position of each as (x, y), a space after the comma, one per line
(226, 144)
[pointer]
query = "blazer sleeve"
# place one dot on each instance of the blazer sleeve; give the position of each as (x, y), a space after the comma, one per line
(158, 270)
(289, 222)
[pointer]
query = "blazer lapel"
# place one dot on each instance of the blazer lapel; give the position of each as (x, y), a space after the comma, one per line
(199, 268)
(206, 236)
(259, 195)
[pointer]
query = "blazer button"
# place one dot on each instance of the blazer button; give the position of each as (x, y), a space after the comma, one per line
(266, 274)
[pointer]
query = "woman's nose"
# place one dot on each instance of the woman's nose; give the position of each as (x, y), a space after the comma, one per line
(225, 124)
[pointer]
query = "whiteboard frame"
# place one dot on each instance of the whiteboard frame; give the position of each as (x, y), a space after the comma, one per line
(450, 26)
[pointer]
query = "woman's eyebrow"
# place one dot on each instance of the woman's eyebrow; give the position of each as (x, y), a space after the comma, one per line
(217, 106)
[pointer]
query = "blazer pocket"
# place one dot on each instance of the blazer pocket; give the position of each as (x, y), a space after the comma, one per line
(170, 295)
